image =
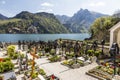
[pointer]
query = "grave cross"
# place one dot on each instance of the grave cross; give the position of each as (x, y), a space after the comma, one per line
(33, 62)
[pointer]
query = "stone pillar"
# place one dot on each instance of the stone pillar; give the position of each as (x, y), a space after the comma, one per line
(118, 38)
(111, 37)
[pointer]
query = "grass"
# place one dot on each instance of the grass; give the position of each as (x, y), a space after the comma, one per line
(9, 20)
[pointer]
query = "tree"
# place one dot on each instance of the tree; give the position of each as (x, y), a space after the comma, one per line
(102, 26)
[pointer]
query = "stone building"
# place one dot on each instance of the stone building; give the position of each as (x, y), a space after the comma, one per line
(115, 34)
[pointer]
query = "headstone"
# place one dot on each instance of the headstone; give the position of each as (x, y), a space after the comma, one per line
(116, 77)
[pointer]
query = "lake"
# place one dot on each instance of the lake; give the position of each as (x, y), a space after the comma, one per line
(43, 37)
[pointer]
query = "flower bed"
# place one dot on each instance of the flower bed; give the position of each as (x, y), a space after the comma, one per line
(72, 63)
(70, 55)
(39, 74)
(35, 73)
(101, 72)
(105, 71)
(54, 58)
(109, 66)
(52, 77)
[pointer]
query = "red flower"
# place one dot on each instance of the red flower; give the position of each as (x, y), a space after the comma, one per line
(52, 77)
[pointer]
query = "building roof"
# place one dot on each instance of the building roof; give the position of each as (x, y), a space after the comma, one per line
(116, 26)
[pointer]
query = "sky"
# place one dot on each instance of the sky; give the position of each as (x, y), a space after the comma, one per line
(10, 8)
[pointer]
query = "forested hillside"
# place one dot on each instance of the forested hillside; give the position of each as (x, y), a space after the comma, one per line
(26, 22)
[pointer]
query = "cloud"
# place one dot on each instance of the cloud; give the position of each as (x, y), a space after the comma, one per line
(46, 4)
(97, 4)
(3, 2)
(46, 7)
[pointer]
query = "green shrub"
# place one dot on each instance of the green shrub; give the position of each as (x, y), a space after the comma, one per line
(97, 53)
(54, 58)
(47, 55)
(11, 50)
(9, 64)
(40, 54)
(1, 67)
(34, 75)
(15, 56)
(80, 62)
(47, 49)
(42, 72)
(71, 49)
(52, 52)
(7, 59)
(71, 62)
(22, 55)
(98, 67)
(70, 54)
(6, 66)
(65, 62)
(90, 52)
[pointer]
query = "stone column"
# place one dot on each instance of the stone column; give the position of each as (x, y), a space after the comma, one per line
(111, 37)
(118, 38)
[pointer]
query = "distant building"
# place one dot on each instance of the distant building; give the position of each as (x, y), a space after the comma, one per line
(115, 34)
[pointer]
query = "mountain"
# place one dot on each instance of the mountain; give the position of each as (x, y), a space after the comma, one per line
(3, 17)
(62, 18)
(117, 14)
(81, 21)
(26, 22)
(24, 15)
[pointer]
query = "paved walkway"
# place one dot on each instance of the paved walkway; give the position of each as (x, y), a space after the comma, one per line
(63, 72)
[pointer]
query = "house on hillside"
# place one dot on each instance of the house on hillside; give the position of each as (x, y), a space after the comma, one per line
(115, 34)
